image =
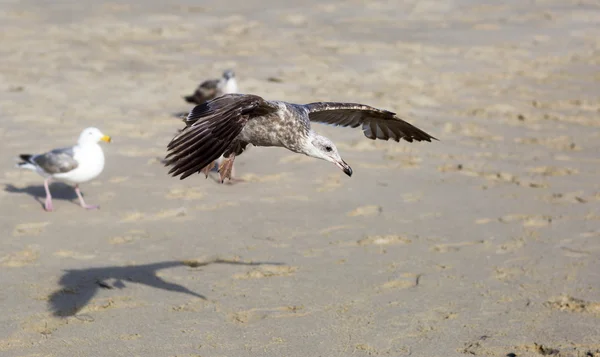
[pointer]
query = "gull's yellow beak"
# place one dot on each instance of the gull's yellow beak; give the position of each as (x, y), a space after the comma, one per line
(105, 138)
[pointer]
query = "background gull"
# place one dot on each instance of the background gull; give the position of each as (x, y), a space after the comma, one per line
(211, 89)
(75, 164)
(227, 124)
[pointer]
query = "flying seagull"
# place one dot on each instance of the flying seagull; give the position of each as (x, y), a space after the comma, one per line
(226, 125)
(75, 164)
(213, 88)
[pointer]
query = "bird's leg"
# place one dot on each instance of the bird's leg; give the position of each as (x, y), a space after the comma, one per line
(208, 168)
(226, 167)
(81, 201)
(232, 178)
(48, 204)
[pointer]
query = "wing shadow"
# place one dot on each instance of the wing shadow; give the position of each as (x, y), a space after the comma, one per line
(79, 286)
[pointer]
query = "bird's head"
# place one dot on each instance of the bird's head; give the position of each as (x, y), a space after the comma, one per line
(92, 135)
(322, 148)
(228, 74)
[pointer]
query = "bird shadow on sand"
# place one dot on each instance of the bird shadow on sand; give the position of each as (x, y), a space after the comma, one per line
(59, 191)
(79, 286)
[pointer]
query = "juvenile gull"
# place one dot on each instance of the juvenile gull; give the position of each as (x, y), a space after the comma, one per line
(226, 125)
(75, 164)
(211, 89)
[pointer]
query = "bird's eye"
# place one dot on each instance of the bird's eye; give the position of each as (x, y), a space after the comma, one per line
(328, 148)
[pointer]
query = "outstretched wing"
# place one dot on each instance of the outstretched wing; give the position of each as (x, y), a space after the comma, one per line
(206, 91)
(376, 123)
(56, 161)
(211, 127)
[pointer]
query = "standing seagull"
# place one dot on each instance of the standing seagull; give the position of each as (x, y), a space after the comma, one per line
(75, 164)
(226, 125)
(213, 88)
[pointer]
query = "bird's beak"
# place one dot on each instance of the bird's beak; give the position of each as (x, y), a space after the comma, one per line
(105, 138)
(345, 167)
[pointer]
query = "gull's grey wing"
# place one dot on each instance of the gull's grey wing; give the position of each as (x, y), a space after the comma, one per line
(206, 91)
(56, 161)
(376, 123)
(211, 128)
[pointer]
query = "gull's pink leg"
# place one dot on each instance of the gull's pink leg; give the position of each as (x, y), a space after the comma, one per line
(48, 204)
(232, 178)
(81, 201)
(226, 168)
(208, 168)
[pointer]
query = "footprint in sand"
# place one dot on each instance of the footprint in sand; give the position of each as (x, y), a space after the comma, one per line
(471, 130)
(130, 337)
(527, 220)
(267, 272)
(454, 247)
(118, 302)
(13, 343)
(384, 240)
(74, 255)
(216, 206)
(196, 305)
(332, 229)
(21, 258)
(561, 143)
(185, 193)
(408, 280)
(179, 213)
(118, 179)
(506, 274)
(132, 217)
(553, 171)
(265, 178)
(511, 246)
(330, 183)
(44, 324)
(285, 198)
(571, 304)
(370, 210)
(253, 315)
(492, 177)
(29, 229)
(130, 237)
(412, 197)
(566, 198)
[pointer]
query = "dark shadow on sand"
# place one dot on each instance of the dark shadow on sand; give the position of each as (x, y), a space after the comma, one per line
(59, 191)
(79, 286)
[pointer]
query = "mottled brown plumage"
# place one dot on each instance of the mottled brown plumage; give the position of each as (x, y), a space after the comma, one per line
(227, 124)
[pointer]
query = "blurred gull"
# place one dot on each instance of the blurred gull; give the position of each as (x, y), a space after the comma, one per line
(212, 88)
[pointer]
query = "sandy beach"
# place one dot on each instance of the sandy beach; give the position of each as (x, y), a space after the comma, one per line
(484, 243)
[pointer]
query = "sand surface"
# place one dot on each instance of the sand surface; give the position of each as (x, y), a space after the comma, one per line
(485, 243)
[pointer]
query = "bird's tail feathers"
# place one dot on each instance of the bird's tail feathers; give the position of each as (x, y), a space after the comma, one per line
(26, 162)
